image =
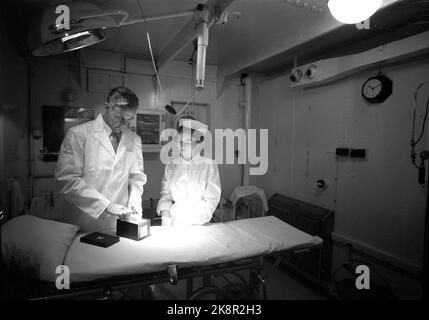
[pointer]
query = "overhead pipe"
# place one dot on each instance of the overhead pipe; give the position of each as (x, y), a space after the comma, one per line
(248, 90)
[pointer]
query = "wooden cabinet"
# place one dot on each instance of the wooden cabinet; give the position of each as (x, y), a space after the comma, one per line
(103, 81)
(143, 87)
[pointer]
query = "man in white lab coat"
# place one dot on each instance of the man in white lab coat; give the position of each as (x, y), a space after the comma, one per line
(100, 167)
(190, 189)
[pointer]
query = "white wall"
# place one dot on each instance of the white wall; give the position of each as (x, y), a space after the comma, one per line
(378, 202)
(52, 75)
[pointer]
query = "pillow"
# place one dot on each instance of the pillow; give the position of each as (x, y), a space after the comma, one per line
(36, 246)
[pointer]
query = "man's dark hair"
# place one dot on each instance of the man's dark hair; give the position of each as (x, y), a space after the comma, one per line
(123, 97)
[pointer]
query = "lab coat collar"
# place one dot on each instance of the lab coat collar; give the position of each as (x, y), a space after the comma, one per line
(106, 127)
(99, 123)
(101, 134)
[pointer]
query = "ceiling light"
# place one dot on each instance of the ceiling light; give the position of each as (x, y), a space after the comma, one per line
(353, 11)
(88, 25)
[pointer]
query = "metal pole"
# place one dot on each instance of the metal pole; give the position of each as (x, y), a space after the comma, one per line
(248, 87)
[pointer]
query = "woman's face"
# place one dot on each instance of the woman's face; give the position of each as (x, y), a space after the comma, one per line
(187, 146)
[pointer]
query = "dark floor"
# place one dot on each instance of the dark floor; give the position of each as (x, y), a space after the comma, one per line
(280, 285)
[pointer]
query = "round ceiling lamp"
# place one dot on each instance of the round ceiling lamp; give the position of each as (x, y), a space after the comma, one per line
(45, 39)
(353, 11)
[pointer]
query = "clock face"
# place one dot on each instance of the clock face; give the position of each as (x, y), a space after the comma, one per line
(372, 88)
(377, 89)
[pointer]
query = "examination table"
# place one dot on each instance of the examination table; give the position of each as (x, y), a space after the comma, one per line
(171, 254)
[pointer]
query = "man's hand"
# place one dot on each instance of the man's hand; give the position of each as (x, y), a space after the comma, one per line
(118, 210)
(133, 210)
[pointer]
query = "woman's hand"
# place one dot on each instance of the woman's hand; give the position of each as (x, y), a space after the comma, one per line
(166, 213)
(166, 218)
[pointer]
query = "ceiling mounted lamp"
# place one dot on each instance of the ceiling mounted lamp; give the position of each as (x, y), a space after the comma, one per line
(353, 11)
(88, 25)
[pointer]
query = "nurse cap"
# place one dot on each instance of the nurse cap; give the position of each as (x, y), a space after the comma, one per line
(193, 124)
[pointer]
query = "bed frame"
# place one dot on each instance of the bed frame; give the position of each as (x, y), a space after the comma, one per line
(15, 285)
(104, 289)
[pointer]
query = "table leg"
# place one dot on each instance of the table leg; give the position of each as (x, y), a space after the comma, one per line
(189, 287)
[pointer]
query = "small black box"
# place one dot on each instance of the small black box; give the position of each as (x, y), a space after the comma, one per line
(133, 228)
(342, 152)
(99, 239)
(357, 153)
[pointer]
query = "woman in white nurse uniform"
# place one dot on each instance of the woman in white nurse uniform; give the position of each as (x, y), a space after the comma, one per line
(190, 189)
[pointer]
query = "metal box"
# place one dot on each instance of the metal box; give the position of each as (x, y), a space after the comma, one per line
(133, 228)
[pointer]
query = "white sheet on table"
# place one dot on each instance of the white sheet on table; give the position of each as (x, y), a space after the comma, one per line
(186, 246)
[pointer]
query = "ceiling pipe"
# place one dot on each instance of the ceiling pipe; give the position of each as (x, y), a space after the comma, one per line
(248, 90)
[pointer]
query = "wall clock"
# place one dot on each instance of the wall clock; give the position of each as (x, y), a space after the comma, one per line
(377, 89)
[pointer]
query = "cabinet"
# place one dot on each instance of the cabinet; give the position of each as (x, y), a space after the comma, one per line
(103, 81)
(149, 124)
(313, 220)
(143, 87)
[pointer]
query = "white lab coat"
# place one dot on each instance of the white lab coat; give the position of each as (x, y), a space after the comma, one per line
(91, 175)
(190, 190)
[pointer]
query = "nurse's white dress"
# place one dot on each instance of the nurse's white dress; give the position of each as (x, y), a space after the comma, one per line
(190, 190)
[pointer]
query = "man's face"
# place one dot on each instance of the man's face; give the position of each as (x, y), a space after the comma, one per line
(118, 118)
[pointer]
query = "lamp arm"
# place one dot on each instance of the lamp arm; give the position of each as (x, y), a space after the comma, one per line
(178, 14)
(124, 21)
(104, 13)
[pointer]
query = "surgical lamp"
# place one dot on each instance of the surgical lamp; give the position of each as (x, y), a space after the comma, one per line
(88, 25)
(353, 11)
